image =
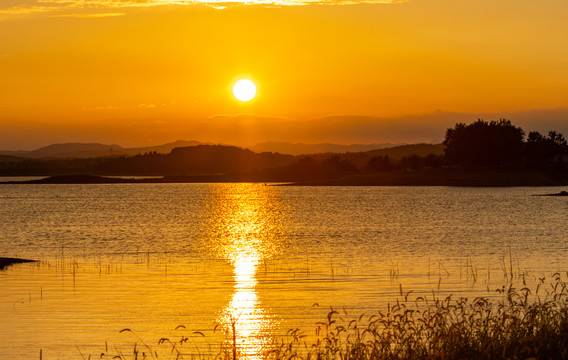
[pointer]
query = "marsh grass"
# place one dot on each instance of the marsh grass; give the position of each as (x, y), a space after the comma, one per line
(515, 323)
(518, 324)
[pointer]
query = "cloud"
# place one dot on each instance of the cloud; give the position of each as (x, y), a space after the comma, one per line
(128, 107)
(91, 15)
(24, 10)
(23, 7)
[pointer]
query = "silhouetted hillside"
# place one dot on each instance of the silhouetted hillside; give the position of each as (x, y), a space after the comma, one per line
(194, 160)
(396, 154)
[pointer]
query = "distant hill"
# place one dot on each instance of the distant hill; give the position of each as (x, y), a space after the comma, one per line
(92, 150)
(13, 153)
(75, 150)
(10, 158)
(164, 148)
(301, 148)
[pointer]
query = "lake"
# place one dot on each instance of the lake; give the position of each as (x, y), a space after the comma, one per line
(250, 260)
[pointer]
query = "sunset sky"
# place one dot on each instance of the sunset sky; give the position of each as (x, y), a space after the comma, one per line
(141, 72)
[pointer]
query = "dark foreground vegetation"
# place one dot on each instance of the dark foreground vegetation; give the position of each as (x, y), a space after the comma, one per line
(495, 153)
(515, 324)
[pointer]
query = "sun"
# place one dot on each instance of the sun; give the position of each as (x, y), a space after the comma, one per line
(244, 90)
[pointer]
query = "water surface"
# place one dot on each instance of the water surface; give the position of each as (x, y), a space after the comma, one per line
(150, 257)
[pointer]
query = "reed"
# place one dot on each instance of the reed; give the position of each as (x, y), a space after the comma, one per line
(518, 324)
(515, 323)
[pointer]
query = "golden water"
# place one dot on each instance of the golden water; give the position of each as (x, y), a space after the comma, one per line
(237, 265)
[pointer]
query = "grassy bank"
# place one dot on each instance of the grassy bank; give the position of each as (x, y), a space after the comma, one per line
(517, 323)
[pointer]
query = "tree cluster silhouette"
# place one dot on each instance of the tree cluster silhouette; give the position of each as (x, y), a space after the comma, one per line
(501, 144)
(541, 150)
(383, 163)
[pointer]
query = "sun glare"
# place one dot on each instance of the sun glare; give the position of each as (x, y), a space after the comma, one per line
(244, 90)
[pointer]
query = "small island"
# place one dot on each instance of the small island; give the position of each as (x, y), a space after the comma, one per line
(562, 193)
(5, 262)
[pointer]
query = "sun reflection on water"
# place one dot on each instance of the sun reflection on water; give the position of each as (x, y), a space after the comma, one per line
(246, 221)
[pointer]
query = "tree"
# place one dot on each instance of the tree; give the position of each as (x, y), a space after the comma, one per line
(541, 150)
(484, 144)
(379, 164)
(412, 162)
(558, 140)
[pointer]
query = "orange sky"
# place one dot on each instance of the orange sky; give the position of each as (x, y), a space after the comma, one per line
(140, 72)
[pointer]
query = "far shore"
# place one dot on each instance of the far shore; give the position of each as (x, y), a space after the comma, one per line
(5, 262)
(428, 177)
(446, 177)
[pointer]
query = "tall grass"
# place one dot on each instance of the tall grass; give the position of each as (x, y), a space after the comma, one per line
(517, 323)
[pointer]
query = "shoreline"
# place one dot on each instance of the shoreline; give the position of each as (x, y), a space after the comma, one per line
(445, 177)
(428, 177)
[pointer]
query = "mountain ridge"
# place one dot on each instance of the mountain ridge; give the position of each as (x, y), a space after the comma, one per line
(92, 150)
(87, 150)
